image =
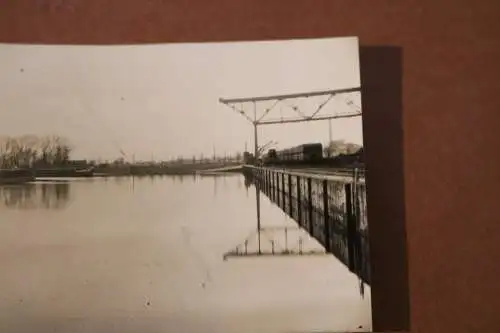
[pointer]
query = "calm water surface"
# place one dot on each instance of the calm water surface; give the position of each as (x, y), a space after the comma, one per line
(116, 255)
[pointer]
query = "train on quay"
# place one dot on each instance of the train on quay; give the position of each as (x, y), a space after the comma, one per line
(310, 154)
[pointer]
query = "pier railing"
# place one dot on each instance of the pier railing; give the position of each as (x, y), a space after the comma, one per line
(330, 207)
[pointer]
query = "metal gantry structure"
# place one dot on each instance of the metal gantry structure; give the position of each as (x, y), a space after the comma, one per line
(237, 104)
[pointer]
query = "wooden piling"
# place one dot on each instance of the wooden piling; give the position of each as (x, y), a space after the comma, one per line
(283, 193)
(290, 205)
(326, 220)
(310, 204)
(299, 202)
(351, 228)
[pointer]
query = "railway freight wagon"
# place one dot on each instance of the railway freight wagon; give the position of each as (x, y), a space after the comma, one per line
(309, 152)
(312, 153)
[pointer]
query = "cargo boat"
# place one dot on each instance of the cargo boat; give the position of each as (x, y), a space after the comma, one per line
(65, 172)
(16, 176)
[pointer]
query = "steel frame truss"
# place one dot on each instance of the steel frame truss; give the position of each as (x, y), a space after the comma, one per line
(302, 117)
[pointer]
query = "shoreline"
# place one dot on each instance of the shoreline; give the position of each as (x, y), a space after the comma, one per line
(27, 175)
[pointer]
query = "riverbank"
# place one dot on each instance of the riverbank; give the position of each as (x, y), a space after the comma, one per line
(20, 176)
(26, 175)
(152, 170)
(64, 172)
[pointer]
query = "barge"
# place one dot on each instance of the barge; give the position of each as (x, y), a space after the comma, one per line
(65, 172)
(16, 176)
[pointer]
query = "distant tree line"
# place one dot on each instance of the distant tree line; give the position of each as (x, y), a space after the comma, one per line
(32, 150)
(339, 147)
(52, 150)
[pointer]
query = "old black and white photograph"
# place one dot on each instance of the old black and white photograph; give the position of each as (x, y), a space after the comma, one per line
(183, 187)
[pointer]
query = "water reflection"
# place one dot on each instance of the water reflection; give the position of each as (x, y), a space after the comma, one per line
(122, 249)
(272, 236)
(248, 182)
(217, 180)
(35, 196)
(341, 231)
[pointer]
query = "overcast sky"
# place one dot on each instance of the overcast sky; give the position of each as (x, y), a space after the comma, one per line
(163, 100)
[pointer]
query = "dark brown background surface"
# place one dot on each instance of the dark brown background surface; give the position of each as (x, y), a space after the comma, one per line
(445, 122)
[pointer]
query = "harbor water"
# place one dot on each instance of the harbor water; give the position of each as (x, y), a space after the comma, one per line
(146, 255)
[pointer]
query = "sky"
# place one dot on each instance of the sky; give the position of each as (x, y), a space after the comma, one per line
(161, 101)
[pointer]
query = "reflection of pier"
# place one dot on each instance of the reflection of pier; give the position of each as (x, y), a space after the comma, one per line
(278, 240)
(36, 196)
(330, 208)
(281, 241)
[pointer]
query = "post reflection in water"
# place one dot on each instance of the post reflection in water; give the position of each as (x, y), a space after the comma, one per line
(35, 196)
(247, 183)
(215, 186)
(289, 238)
(257, 199)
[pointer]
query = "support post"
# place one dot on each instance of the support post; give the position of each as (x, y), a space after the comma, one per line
(270, 183)
(283, 200)
(255, 134)
(264, 181)
(299, 201)
(275, 183)
(310, 205)
(326, 226)
(280, 189)
(257, 193)
(257, 187)
(270, 175)
(276, 187)
(351, 228)
(290, 206)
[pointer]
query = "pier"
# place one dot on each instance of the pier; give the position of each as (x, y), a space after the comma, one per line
(330, 207)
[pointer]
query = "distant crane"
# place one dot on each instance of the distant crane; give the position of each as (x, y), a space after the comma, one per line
(268, 145)
(125, 156)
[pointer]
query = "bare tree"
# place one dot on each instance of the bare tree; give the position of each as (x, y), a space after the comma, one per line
(28, 150)
(338, 147)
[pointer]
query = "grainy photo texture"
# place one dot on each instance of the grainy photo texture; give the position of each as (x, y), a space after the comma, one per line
(205, 187)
